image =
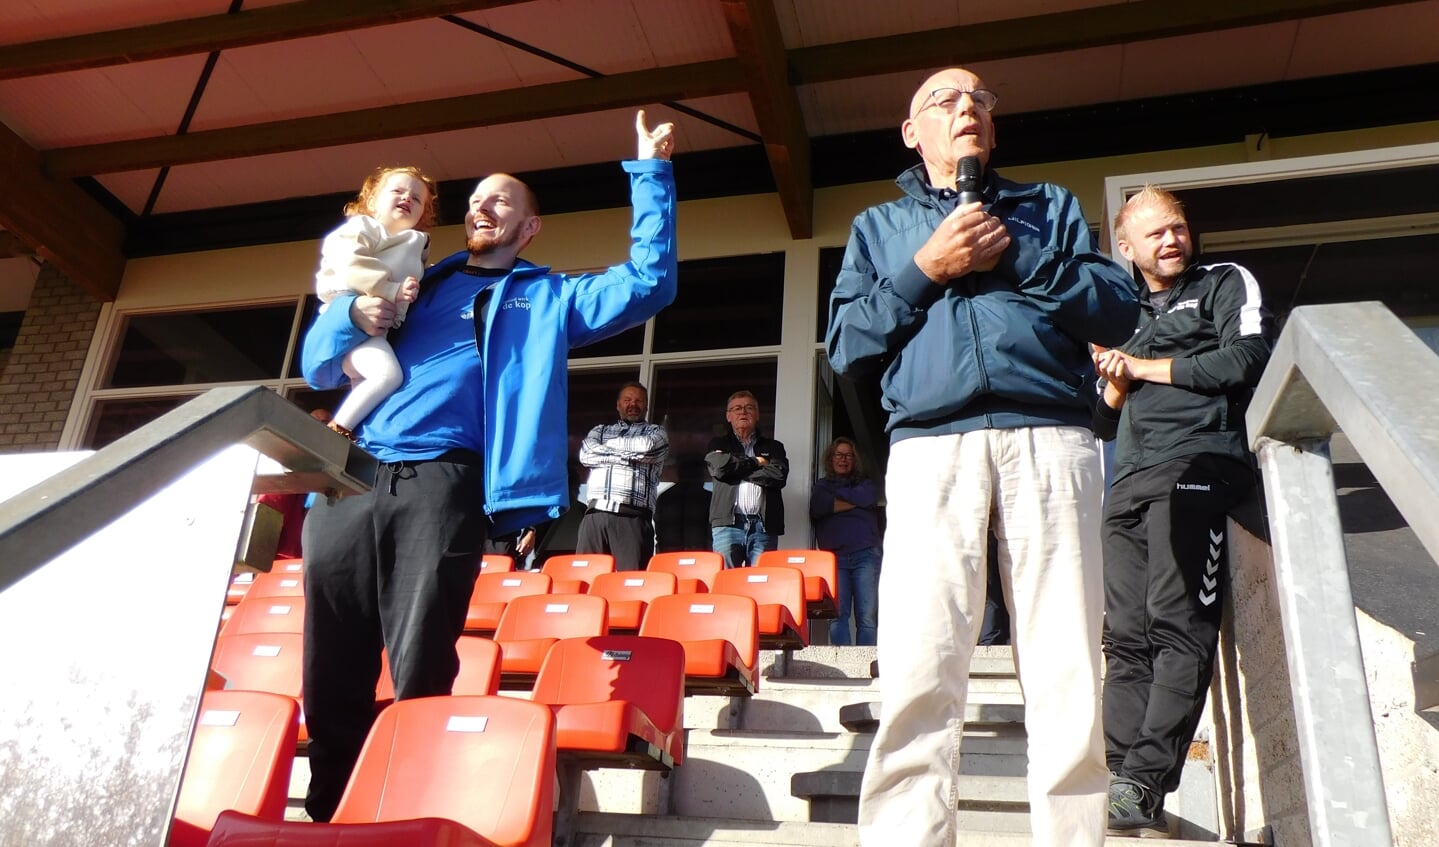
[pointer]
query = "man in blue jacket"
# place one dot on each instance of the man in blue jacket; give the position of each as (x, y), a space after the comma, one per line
(473, 442)
(976, 314)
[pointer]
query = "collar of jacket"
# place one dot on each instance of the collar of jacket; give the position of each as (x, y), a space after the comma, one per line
(915, 183)
(450, 265)
(1191, 273)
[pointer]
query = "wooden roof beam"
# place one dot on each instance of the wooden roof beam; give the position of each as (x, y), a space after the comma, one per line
(300, 19)
(1057, 32)
(637, 88)
(63, 224)
(759, 47)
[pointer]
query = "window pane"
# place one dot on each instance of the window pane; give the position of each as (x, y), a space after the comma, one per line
(115, 418)
(592, 402)
(312, 308)
(723, 303)
(1399, 272)
(690, 401)
(185, 348)
(830, 259)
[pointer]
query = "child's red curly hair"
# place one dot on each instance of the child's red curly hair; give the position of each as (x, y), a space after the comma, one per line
(363, 203)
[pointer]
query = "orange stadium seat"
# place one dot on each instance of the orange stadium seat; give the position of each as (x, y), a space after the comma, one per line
(821, 577)
(277, 584)
(416, 781)
(240, 758)
(496, 563)
(618, 700)
(239, 586)
(694, 570)
(494, 591)
(479, 666)
(531, 625)
(779, 594)
(629, 594)
(719, 634)
(573, 574)
(266, 614)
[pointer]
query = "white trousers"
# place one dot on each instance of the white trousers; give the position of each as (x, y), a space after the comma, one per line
(1039, 491)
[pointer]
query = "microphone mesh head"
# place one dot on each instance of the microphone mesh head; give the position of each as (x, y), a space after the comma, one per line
(969, 172)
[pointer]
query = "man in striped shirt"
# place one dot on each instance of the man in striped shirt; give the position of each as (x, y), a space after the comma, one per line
(625, 460)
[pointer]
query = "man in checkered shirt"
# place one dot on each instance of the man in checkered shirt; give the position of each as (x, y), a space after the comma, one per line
(625, 460)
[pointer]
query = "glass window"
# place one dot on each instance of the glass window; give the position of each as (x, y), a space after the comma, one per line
(189, 348)
(689, 399)
(722, 303)
(112, 419)
(830, 259)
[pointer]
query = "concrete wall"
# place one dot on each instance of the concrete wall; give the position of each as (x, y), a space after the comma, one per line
(1256, 750)
(38, 381)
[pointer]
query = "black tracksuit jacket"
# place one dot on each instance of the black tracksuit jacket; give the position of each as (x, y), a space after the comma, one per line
(1216, 329)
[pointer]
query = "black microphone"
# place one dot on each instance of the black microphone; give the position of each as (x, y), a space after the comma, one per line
(968, 181)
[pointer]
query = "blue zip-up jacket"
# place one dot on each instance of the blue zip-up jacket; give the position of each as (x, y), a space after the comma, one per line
(990, 350)
(500, 387)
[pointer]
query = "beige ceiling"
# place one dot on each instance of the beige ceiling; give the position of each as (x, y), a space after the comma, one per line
(303, 98)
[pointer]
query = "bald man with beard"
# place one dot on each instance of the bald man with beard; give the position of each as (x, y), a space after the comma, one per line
(473, 443)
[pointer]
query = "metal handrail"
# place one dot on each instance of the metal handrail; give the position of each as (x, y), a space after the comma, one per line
(49, 518)
(1354, 368)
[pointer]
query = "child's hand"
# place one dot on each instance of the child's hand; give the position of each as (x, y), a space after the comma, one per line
(409, 290)
(656, 144)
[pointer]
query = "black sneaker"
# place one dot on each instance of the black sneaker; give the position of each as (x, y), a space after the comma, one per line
(1135, 811)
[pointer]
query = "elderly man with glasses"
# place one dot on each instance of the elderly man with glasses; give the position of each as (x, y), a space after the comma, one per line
(748, 469)
(974, 297)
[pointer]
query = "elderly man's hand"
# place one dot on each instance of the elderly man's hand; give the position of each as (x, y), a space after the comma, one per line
(658, 143)
(372, 315)
(969, 239)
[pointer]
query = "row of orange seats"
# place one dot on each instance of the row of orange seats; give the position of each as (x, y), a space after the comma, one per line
(613, 701)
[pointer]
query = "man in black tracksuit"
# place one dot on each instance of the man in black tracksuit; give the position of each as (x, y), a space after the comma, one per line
(1175, 395)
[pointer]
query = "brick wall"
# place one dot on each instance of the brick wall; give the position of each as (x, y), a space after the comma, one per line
(38, 382)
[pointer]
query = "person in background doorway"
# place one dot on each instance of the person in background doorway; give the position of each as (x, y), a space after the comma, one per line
(625, 460)
(748, 469)
(844, 507)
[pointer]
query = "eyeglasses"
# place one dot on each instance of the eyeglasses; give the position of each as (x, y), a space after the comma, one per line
(748, 408)
(848, 457)
(947, 99)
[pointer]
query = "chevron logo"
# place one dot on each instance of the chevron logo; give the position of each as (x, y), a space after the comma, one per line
(1213, 552)
(1211, 583)
(1211, 567)
(1208, 597)
(1215, 537)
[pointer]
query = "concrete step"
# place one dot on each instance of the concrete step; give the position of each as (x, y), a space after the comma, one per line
(606, 830)
(828, 662)
(864, 716)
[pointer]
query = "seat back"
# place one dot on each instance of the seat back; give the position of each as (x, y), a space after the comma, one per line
(485, 762)
(811, 563)
(240, 758)
(494, 591)
(769, 585)
(552, 616)
(580, 569)
(276, 584)
(632, 587)
(266, 614)
(647, 672)
(699, 565)
(689, 617)
(479, 666)
(496, 563)
(260, 661)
